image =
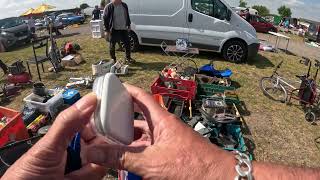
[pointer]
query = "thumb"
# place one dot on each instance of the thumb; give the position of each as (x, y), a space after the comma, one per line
(69, 122)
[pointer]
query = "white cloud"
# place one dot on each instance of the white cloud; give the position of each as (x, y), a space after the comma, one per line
(294, 3)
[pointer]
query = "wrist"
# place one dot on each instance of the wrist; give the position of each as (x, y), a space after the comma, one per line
(222, 166)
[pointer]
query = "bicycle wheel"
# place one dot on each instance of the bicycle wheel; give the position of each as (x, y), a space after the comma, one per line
(272, 90)
(310, 117)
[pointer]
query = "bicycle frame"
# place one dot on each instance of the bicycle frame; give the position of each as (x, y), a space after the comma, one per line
(290, 90)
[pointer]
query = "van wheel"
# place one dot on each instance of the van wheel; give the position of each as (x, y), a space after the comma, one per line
(235, 51)
(134, 42)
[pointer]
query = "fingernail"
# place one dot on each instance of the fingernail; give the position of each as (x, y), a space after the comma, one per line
(87, 103)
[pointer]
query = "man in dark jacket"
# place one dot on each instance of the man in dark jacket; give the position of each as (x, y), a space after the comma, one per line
(96, 14)
(117, 25)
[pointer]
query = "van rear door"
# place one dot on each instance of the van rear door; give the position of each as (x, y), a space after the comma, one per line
(207, 23)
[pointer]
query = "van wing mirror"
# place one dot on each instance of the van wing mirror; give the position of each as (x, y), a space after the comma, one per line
(229, 14)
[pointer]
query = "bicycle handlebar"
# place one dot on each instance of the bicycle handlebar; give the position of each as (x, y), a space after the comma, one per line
(278, 67)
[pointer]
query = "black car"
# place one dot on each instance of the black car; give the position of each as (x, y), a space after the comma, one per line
(13, 31)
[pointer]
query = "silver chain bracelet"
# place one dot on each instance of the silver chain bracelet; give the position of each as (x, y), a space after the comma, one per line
(243, 167)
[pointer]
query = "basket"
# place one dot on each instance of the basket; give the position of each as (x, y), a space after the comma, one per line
(185, 90)
(209, 90)
(102, 67)
(14, 129)
(51, 106)
(203, 79)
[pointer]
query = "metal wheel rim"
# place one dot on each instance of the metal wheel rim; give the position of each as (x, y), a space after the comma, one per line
(235, 53)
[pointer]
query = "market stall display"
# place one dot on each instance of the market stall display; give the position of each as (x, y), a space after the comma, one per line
(213, 105)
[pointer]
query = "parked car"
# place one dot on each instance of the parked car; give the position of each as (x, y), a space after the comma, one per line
(14, 31)
(208, 25)
(262, 25)
(71, 18)
(313, 33)
(40, 24)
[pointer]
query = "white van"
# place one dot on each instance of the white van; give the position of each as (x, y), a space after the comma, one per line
(209, 25)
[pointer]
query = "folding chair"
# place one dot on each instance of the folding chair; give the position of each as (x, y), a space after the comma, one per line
(37, 44)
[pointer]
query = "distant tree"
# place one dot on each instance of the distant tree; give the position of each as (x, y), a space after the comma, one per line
(243, 3)
(284, 11)
(263, 11)
(84, 6)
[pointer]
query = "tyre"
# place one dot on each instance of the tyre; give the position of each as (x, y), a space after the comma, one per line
(235, 51)
(273, 91)
(134, 42)
(310, 117)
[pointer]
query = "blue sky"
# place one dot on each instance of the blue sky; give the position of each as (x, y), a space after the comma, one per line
(301, 8)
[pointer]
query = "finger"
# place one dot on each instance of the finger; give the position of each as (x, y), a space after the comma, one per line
(136, 108)
(69, 122)
(150, 108)
(90, 171)
(88, 133)
(116, 156)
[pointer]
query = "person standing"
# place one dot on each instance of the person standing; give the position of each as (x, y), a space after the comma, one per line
(117, 26)
(96, 14)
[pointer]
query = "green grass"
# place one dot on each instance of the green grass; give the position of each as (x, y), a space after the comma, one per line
(278, 132)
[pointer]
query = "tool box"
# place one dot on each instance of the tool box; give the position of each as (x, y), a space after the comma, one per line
(71, 96)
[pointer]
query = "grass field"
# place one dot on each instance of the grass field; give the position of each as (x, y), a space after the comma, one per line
(277, 132)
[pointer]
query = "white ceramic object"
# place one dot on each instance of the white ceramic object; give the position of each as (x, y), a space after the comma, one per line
(113, 117)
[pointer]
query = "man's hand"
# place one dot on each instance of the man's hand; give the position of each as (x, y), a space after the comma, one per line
(107, 35)
(47, 159)
(175, 150)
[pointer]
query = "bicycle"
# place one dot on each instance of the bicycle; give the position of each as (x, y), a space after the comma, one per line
(274, 86)
(279, 89)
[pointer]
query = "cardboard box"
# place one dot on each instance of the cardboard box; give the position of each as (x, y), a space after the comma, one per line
(72, 60)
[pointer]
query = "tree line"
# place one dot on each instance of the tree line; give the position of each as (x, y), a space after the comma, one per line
(283, 11)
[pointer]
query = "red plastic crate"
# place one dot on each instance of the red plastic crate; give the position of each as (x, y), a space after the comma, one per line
(14, 128)
(186, 90)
